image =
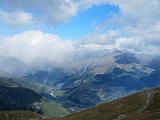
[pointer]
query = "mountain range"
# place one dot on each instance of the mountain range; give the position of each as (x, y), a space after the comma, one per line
(98, 78)
(91, 80)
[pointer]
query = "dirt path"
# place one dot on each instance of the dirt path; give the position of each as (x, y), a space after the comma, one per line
(147, 100)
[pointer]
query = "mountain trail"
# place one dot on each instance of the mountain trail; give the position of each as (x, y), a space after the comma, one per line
(147, 100)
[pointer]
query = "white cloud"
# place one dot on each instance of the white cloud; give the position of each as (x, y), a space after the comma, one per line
(136, 9)
(36, 46)
(89, 3)
(140, 30)
(39, 47)
(141, 10)
(137, 24)
(47, 11)
(57, 11)
(132, 44)
(101, 38)
(17, 18)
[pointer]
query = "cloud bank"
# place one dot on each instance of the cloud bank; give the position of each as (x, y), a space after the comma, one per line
(46, 11)
(138, 29)
(36, 46)
(39, 47)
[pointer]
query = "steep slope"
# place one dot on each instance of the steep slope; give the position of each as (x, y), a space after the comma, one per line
(17, 94)
(140, 106)
(18, 98)
(15, 97)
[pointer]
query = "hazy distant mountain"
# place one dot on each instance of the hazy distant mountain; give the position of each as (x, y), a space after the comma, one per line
(155, 63)
(92, 79)
(12, 65)
(96, 78)
(126, 58)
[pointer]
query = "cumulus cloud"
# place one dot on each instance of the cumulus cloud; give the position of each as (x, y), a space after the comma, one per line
(142, 10)
(137, 25)
(43, 48)
(57, 11)
(36, 46)
(139, 30)
(47, 11)
(132, 44)
(17, 18)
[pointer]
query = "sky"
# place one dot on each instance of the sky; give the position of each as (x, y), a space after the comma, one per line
(55, 30)
(74, 27)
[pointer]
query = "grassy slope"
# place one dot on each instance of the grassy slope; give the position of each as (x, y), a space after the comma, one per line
(51, 108)
(19, 115)
(141, 106)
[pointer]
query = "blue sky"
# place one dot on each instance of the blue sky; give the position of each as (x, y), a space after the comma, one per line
(85, 21)
(80, 25)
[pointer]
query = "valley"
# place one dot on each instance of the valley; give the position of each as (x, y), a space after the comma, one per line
(139, 106)
(63, 91)
(79, 59)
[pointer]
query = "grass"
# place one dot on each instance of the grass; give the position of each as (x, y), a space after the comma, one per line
(53, 109)
(19, 115)
(133, 107)
(128, 108)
